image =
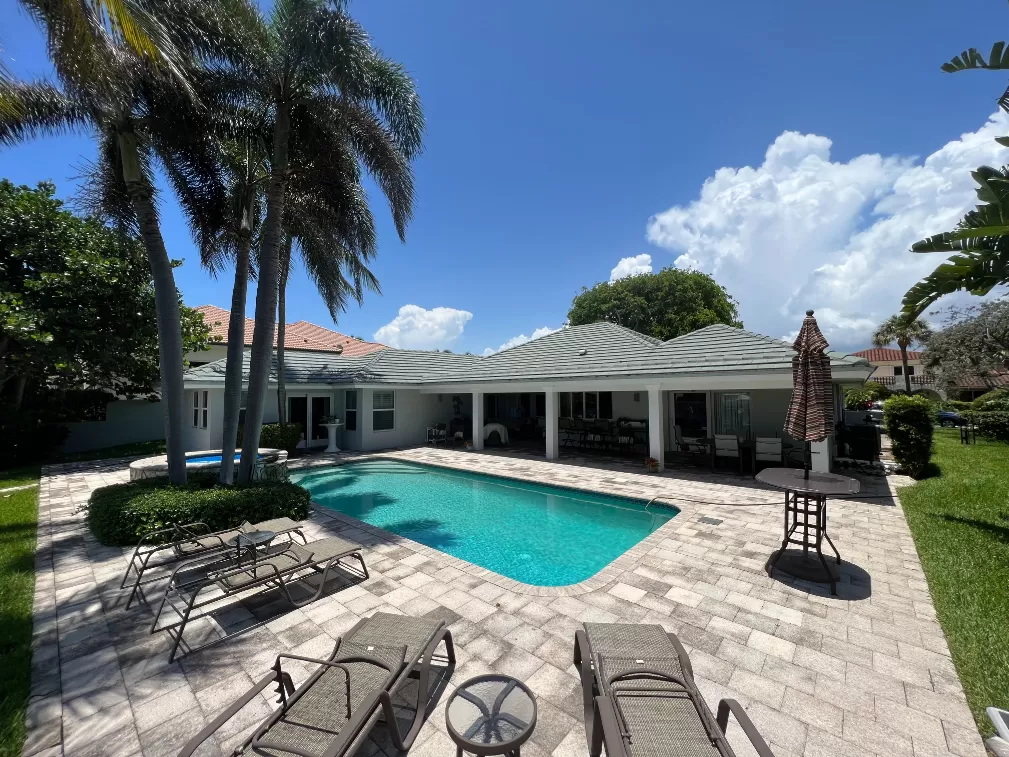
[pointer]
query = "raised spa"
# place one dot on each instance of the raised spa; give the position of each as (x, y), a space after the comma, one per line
(271, 464)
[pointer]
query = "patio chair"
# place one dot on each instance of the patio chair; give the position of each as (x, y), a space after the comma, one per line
(769, 450)
(727, 445)
(334, 710)
(187, 541)
(640, 699)
(280, 568)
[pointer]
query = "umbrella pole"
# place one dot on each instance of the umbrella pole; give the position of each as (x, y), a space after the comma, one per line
(807, 459)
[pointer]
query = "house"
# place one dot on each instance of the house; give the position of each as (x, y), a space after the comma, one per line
(718, 379)
(889, 371)
(299, 335)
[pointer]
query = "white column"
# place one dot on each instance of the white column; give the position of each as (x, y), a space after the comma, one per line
(656, 426)
(552, 409)
(477, 420)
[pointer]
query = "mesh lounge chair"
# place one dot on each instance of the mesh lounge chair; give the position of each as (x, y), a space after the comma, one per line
(641, 700)
(186, 541)
(277, 568)
(337, 706)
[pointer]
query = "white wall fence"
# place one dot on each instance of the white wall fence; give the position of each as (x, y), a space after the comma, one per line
(126, 422)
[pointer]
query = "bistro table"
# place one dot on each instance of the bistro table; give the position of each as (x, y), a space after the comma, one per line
(250, 542)
(806, 520)
(491, 714)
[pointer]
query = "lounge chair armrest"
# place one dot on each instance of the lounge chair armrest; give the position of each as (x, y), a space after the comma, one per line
(194, 743)
(254, 566)
(612, 739)
(148, 535)
(685, 665)
(197, 526)
(727, 705)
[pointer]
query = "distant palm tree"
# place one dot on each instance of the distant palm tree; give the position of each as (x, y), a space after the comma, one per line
(335, 103)
(905, 331)
(123, 69)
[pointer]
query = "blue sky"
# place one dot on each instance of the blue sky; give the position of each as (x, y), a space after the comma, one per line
(793, 150)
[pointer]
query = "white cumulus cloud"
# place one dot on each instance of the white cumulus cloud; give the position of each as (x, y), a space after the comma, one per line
(515, 341)
(632, 266)
(801, 231)
(419, 329)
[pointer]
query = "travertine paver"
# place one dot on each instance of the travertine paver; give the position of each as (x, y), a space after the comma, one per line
(864, 673)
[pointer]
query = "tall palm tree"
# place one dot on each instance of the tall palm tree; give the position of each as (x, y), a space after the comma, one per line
(905, 331)
(333, 101)
(123, 72)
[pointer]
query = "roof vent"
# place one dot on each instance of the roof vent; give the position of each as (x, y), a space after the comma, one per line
(582, 352)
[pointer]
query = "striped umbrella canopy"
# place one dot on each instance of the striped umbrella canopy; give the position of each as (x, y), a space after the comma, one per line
(811, 411)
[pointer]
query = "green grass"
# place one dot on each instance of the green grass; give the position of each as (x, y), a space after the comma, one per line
(29, 474)
(960, 521)
(121, 450)
(18, 514)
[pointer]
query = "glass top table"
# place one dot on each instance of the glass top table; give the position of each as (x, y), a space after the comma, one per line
(491, 714)
(806, 521)
(249, 543)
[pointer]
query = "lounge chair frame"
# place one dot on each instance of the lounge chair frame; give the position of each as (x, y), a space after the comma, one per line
(359, 723)
(604, 720)
(217, 574)
(171, 539)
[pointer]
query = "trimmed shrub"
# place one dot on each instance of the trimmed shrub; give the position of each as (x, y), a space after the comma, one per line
(275, 436)
(991, 424)
(997, 399)
(957, 405)
(119, 515)
(865, 395)
(908, 422)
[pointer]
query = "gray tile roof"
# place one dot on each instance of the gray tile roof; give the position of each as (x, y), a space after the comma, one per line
(597, 350)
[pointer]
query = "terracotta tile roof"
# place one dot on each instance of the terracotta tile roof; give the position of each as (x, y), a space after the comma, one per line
(300, 335)
(885, 355)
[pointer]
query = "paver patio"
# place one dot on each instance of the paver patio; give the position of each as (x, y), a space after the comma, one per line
(865, 673)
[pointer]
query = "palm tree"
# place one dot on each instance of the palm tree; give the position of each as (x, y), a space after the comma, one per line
(333, 101)
(123, 71)
(905, 331)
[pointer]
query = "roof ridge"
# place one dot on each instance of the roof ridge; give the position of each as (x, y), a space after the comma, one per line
(651, 341)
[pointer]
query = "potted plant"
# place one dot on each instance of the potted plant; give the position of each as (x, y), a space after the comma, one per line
(652, 465)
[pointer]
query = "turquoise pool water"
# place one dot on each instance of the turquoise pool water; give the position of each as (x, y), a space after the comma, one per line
(212, 458)
(537, 534)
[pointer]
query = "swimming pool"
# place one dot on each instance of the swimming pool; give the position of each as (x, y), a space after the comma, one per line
(213, 458)
(534, 533)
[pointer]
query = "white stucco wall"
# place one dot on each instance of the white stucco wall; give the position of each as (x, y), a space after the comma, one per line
(126, 422)
(413, 414)
(624, 405)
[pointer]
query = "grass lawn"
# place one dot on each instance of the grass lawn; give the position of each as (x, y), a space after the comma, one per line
(122, 450)
(29, 474)
(18, 512)
(960, 522)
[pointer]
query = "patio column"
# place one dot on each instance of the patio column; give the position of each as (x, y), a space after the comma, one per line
(477, 420)
(552, 410)
(656, 426)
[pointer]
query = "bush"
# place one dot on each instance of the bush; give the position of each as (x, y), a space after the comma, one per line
(275, 436)
(25, 439)
(956, 405)
(997, 399)
(119, 515)
(865, 395)
(908, 422)
(991, 424)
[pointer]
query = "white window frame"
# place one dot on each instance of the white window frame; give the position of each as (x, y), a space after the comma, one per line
(201, 409)
(348, 410)
(375, 410)
(571, 406)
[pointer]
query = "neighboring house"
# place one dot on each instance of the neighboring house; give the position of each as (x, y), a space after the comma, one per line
(717, 379)
(889, 370)
(300, 335)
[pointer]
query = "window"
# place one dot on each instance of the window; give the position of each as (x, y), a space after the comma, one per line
(350, 406)
(541, 405)
(898, 370)
(691, 411)
(242, 402)
(587, 405)
(383, 406)
(577, 405)
(910, 370)
(733, 414)
(201, 411)
(605, 404)
(565, 404)
(591, 406)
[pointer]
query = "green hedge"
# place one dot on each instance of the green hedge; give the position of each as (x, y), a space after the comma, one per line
(275, 436)
(909, 422)
(997, 399)
(119, 515)
(992, 424)
(865, 395)
(957, 405)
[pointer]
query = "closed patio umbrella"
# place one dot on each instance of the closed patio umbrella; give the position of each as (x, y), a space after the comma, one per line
(810, 415)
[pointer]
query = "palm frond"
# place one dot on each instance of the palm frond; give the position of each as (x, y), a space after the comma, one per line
(102, 193)
(970, 58)
(28, 111)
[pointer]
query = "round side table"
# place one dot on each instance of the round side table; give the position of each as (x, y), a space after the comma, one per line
(491, 714)
(250, 542)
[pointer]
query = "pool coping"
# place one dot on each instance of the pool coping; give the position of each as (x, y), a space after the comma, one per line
(607, 574)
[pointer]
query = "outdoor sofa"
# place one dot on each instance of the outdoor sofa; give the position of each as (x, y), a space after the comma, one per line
(169, 545)
(640, 699)
(334, 710)
(196, 584)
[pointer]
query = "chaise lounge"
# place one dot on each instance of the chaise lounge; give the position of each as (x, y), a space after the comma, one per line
(187, 541)
(276, 568)
(334, 710)
(640, 698)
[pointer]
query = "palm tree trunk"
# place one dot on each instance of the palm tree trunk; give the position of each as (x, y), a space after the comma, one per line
(285, 269)
(903, 360)
(19, 391)
(166, 299)
(266, 296)
(236, 358)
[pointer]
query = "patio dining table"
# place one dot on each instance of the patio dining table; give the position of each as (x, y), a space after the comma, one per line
(806, 520)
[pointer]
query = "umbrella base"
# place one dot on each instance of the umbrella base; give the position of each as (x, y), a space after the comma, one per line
(806, 566)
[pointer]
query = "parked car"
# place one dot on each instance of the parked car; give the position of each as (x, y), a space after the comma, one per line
(949, 418)
(875, 413)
